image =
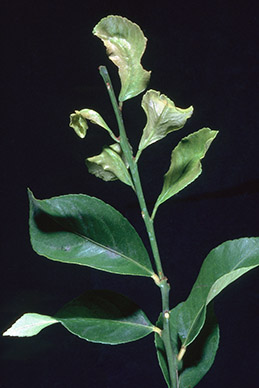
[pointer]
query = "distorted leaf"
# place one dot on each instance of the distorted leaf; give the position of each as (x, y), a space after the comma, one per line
(185, 164)
(163, 117)
(84, 230)
(78, 121)
(79, 124)
(125, 44)
(109, 165)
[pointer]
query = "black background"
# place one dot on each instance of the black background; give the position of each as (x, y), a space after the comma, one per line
(201, 53)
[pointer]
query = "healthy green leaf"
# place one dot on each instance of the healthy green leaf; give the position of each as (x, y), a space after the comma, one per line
(163, 117)
(185, 163)
(97, 316)
(162, 360)
(199, 356)
(201, 353)
(78, 121)
(125, 44)
(221, 267)
(105, 317)
(160, 349)
(29, 324)
(84, 230)
(109, 165)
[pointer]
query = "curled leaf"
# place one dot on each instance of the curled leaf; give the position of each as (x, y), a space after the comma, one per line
(79, 124)
(78, 121)
(125, 43)
(109, 165)
(185, 163)
(163, 117)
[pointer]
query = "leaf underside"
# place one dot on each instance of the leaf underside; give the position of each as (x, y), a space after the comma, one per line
(109, 165)
(97, 316)
(29, 324)
(163, 117)
(222, 266)
(125, 44)
(78, 121)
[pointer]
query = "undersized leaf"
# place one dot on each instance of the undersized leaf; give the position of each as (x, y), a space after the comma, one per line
(79, 124)
(79, 229)
(29, 324)
(109, 165)
(105, 317)
(78, 121)
(185, 163)
(163, 117)
(125, 44)
(221, 267)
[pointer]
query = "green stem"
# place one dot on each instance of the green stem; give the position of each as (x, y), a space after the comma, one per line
(162, 283)
(170, 354)
(134, 171)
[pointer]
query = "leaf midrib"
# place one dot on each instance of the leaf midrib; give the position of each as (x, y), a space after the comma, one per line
(108, 321)
(100, 245)
(210, 287)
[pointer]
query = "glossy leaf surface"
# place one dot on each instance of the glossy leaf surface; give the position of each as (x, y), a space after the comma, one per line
(97, 316)
(125, 44)
(163, 117)
(105, 317)
(201, 353)
(78, 121)
(199, 356)
(221, 267)
(109, 165)
(185, 164)
(160, 349)
(29, 324)
(79, 229)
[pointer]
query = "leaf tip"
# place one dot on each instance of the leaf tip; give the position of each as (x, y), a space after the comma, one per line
(30, 194)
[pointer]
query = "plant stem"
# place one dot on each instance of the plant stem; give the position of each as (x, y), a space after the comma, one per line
(134, 172)
(170, 353)
(162, 283)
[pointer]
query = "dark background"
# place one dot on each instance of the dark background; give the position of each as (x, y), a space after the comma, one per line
(201, 53)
